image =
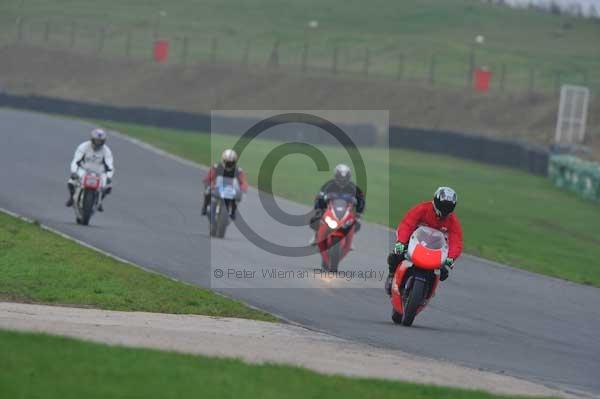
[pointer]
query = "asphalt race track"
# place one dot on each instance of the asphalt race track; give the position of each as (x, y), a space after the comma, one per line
(485, 316)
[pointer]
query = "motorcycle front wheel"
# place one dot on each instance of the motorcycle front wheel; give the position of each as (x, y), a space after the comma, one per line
(87, 208)
(335, 254)
(413, 301)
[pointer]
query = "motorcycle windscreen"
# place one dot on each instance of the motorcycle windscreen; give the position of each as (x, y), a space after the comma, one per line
(340, 206)
(227, 187)
(428, 248)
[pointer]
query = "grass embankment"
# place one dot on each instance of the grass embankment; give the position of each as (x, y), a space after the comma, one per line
(507, 216)
(35, 365)
(39, 266)
(521, 40)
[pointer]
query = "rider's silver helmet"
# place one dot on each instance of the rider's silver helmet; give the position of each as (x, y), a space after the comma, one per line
(343, 174)
(98, 138)
(444, 201)
(229, 159)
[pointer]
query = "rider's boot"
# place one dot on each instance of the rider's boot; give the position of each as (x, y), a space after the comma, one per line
(233, 210)
(205, 203)
(388, 284)
(70, 201)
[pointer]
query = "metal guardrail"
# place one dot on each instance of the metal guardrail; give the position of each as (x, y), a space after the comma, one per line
(514, 154)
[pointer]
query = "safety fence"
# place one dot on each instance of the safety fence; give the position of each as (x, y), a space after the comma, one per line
(513, 154)
(440, 67)
(576, 175)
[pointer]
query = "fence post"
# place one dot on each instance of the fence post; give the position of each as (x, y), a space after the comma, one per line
(502, 77)
(274, 57)
(471, 65)
(531, 81)
(246, 56)
(20, 29)
(305, 56)
(585, 77)
(213, 50)
(72, 34)
(47, 31)
(367, 62)
(128, 43)
(184, 50)
(156, 29)
(432, 63)
(334, 61)
(101, 33)
(400, 72)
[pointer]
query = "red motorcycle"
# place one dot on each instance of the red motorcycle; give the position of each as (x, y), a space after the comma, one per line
(415, 280)
(336, 230)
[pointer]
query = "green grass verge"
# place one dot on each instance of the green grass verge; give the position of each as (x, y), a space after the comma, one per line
(39, 266)
(418, 29)
(36, 365)
(507, 216)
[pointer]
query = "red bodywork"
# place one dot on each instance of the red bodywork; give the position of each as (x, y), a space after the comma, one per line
(344, 232)
(91, 182)
(426, 259)
(424, 214)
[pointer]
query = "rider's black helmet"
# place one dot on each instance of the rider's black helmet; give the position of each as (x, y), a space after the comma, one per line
(444, 201)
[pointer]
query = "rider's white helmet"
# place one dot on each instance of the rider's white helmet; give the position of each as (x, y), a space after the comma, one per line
(98, 138)
(229, 159)
(343, 174)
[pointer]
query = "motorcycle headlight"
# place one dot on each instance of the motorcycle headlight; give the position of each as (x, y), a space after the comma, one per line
(331, 223)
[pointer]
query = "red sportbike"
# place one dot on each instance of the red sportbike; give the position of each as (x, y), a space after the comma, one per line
(336, 230)
(415, 280)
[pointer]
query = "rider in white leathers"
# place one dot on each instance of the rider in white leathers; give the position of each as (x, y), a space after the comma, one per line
(93, 155)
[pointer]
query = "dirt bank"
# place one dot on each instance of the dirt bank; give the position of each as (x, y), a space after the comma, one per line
(204, 87)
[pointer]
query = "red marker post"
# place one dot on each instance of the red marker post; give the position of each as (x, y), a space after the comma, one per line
(161, 51)
(481, 79)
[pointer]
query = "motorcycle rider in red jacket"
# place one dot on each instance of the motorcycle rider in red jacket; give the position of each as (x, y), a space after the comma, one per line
(437, 214)
(227, 168)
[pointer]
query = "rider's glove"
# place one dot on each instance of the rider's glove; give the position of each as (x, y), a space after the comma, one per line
(74, 176)
(108, 181)
(443, 273)
(399, 248)
(449, 263)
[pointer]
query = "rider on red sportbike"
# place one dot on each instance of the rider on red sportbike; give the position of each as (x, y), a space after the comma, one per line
(437, 214)
(340, 184)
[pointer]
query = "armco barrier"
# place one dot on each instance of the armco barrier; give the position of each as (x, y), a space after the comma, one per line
(574, 174)
(513, 154)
